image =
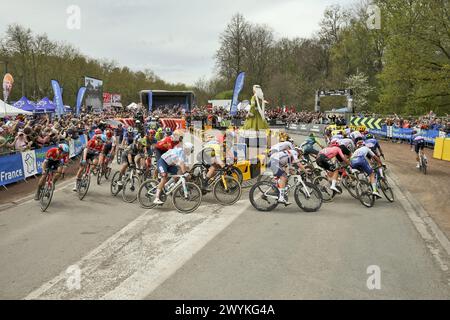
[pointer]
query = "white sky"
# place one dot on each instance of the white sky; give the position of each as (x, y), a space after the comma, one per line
(176, 39)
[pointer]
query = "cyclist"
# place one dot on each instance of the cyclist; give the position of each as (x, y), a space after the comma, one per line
(374, 145)
(109, 147)
(419, 145)
(356, 136)
(360, 162)
(170, 162)
(119, 133)
(308, 146)
(210, 157)
(90, 153)
(55, 158)
(324, 160)
(129, 158)
(168, 132)
(347, 146)
(279, 162)
(282, 146)
(166, 144)
(129, 138)
(328, 134)
(338, 136)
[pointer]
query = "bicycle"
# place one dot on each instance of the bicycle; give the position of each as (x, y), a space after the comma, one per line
(105, 170)
(223, 185)
(358, 188)
(383, 184)
(183, 193)
(85, 182)
(46, 194)
(119, 155)
(307, 196)
(423, 162)
(132, 181)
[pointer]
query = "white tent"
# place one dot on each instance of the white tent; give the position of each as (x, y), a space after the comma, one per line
(133, 106)
(8, 110)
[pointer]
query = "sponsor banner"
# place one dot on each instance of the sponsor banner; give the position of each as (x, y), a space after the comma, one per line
(58, 97)
(80, 97)
(237, 89)
(116, 100)
(107, 100)
(29, 163)
(11, 169)
(20, 166)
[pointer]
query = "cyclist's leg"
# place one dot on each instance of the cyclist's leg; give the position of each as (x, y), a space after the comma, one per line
(42, 179)
(163, 169)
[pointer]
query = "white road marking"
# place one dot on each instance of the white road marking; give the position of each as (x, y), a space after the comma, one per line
(141, 256)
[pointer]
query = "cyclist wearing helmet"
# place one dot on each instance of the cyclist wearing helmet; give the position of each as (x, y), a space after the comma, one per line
(324, 160)
(140, 157)
(356, 136)
(90, 153)
(159, 134)
(279, 163)
(109, 147)
(165, 145)
(360, 162)
(129, 138)
(419, 145)
(170, 163)
(308, 146)
(119, 133)
(130, 157)
(338, 136)
(210, 157)
(168, 132)
(373, 145)
(55, 158)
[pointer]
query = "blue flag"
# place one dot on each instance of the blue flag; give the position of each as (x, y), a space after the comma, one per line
(237, 89)
(80, 97)
(58, 97)
(150, 101)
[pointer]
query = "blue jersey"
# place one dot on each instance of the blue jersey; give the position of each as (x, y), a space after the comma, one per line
(372, 144)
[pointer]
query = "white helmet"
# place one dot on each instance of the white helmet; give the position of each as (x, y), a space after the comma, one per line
(188, 147)
(176, 136)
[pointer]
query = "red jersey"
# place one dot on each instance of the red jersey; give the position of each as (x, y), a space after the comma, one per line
(332, 152)
(166, 144)
(55, 155)
(95, 145)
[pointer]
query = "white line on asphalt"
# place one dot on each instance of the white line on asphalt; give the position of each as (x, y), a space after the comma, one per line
(134, 274)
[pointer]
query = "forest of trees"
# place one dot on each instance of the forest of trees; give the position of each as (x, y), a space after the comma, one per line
(403, 67)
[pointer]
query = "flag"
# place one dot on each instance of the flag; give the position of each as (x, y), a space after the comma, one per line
(80, 97)
(237, 89)
(58, 97)
(150, 101)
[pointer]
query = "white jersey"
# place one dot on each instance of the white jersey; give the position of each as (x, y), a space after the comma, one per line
(174, 157)
(284, 158)
(362, 153)
(282, 146)
(347, 143)
(111, 141)
(355, 135)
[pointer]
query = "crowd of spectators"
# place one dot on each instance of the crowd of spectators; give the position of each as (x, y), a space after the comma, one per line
(23, 133)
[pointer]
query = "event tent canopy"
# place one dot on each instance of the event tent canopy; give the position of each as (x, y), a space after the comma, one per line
(8, 110)
(133, 106)
(25, 104)
(45, 106)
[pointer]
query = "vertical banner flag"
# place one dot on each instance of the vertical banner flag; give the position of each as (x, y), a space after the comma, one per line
(58, 97)
(80, 97)
(237, 89)
(150, 101)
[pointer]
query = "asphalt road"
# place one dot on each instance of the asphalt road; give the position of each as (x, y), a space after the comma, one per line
(121, 251)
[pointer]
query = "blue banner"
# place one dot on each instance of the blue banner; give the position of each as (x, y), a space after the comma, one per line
(80, 97)
(237, 89)
(11, 169)
(150, 101)
(40, 157)
(58, 97)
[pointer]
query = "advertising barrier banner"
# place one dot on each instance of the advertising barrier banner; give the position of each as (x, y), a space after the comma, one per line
(20, 166)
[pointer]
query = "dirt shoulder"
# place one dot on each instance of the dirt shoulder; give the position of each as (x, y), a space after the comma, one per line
(431, 190)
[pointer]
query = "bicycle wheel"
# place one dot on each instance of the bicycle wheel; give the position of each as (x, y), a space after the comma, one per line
(387, 190)
(308, 198)
(264, 196)
(325, 188)
(99, 176)
(130, 189)
(227, 190)
(108, 173)
(46, 197)
(189, 202)
(83, 186)
(236, 173)
(365, 194)
(351, 185)
(147, 194)
(115, 188)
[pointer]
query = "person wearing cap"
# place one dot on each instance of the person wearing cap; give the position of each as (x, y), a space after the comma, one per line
(360, 162)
